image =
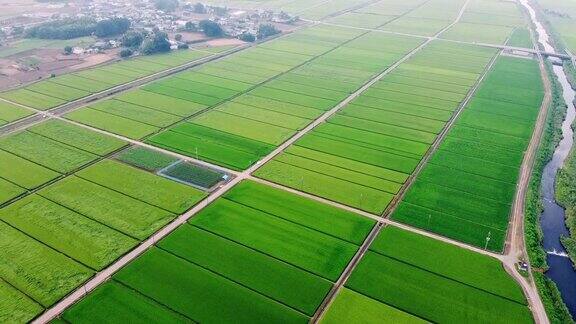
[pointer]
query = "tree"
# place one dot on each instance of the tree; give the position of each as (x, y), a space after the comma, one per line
(17, 31)
(178, 37)
(211, 28)
(166, 5)
(132, 39)
(113, 26)
(63, 29)
(247, 37)
(266, 30)
(126, 52)
(220, 11)
(199, 8)
(68, 50)
(157, 43)
(190, 26)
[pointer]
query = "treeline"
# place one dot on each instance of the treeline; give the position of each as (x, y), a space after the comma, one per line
(565, 189)
(147, 43)
(79, 27)
(551, 298)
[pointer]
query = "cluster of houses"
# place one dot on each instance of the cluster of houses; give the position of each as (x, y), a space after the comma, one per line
(144, 15)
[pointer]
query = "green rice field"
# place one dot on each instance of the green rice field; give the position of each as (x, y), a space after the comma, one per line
(472, 177)
(50, 93)
(363, 155)
(10, 113)
(247, 264)
(257, 181)
(412, 278)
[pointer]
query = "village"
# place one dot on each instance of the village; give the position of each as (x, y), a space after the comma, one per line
(25, 59)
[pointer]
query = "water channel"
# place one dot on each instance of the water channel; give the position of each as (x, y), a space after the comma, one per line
(552, 219)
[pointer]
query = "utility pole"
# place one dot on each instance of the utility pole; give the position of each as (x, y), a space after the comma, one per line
(487, 240)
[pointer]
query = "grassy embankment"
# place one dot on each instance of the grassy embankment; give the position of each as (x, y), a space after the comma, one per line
(565, 190)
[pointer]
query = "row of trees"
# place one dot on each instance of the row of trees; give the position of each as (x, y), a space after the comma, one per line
(73, 28)
(147, 43)
(213, 29)
(264, 30)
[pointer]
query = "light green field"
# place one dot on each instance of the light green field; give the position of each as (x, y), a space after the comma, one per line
(78, 237)
(37, 270)
(16, 307)
(41, 150)
(10, 113)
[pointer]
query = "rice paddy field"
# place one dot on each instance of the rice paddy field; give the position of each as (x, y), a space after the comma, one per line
(67, 211)
(363, 155)
(267, 234)
(247, 272)
(50, 93)
(414, 279)
(234, 111)
(472, 177)
(487, 22)
(10, 113)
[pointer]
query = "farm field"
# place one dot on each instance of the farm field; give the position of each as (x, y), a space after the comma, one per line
(412, 278)
(363, 155)
(224, 264)
(520, 38)
(64, 215)
(235, 252)
(490, 22)
(175, 168)
(49, 93)
(10, 113)
(255, 100)
(472, 177)
(310, 9)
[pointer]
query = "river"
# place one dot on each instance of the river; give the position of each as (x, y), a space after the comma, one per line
(552, 219)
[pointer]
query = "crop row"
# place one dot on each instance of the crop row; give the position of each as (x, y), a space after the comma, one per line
(468, 187)
(363, 155)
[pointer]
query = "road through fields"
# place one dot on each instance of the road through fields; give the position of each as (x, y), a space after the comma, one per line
(104, 275)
